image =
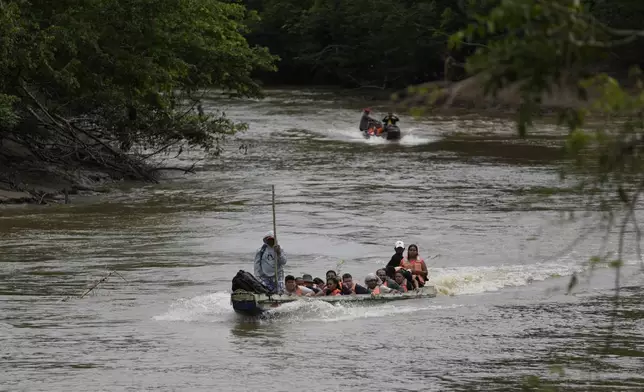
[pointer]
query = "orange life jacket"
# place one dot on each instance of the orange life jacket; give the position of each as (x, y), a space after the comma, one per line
(404, 286)
(335, 292)
(416, 267)
(297, 291)
(376, 290)
(405, 264)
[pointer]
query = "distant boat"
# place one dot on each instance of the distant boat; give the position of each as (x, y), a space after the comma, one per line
(391, 132)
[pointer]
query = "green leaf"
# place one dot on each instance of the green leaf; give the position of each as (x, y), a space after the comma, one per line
(616, 264)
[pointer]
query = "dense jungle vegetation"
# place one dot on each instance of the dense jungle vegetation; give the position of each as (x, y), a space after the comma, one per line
(392, 43)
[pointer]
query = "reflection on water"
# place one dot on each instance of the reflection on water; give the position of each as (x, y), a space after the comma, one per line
(342, 202)
(248, 332)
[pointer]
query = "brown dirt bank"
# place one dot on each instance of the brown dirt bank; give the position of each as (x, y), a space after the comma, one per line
(468, 94)
(26, 179)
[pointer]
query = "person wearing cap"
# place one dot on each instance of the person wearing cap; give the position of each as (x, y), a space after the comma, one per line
(309, 284)
(397, 259)
(267, 258)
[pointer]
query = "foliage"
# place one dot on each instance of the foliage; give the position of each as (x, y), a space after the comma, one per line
(389, 43)
(123, 70)
(539, 44)
(380, 44)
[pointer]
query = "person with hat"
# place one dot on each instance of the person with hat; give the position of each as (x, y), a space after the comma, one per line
(310, 284)
(267, 258)
(398, 258)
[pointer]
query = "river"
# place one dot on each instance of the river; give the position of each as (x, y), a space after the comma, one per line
(497, 252)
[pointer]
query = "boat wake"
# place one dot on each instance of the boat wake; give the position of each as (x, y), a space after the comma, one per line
(410, 137)
(216, 307)
(319, 311)
(477, 280)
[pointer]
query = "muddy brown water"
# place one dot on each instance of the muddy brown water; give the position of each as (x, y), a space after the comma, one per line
(501, 267)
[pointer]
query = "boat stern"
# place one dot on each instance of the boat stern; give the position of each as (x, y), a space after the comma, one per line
(251, 304)
(245, 303)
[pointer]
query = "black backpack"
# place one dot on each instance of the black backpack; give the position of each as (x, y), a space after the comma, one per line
(248, 282)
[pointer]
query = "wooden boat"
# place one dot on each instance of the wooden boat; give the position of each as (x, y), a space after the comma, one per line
(252, 304)
(391, 132)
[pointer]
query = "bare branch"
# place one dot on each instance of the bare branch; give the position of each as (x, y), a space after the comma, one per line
(160, 150)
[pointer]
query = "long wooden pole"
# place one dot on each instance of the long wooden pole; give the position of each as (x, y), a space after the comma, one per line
(277, 261)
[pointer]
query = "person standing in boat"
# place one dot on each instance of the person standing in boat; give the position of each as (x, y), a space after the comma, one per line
(267, 258)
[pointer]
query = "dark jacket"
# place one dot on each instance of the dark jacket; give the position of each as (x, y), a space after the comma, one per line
(365, 121)
(393, 285)
(395, 260)
(359, 290)
(315, 289)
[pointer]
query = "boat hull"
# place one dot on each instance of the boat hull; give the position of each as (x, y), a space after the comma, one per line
(250, 304)
(391, 133)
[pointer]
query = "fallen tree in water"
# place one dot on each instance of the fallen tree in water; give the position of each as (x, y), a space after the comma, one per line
(92, 92)
(94, 286)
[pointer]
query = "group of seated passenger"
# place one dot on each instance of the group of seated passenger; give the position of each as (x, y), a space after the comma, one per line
(401, 275)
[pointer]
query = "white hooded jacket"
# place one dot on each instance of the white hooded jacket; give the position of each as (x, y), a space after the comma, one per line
(265, 261)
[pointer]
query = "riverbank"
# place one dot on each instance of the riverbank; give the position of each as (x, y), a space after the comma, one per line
(24, 178)
(469, 94)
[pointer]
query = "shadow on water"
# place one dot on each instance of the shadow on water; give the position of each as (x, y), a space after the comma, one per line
(248, 332)
(536, 150)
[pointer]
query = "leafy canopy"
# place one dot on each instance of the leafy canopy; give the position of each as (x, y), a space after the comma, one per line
(130, 65)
